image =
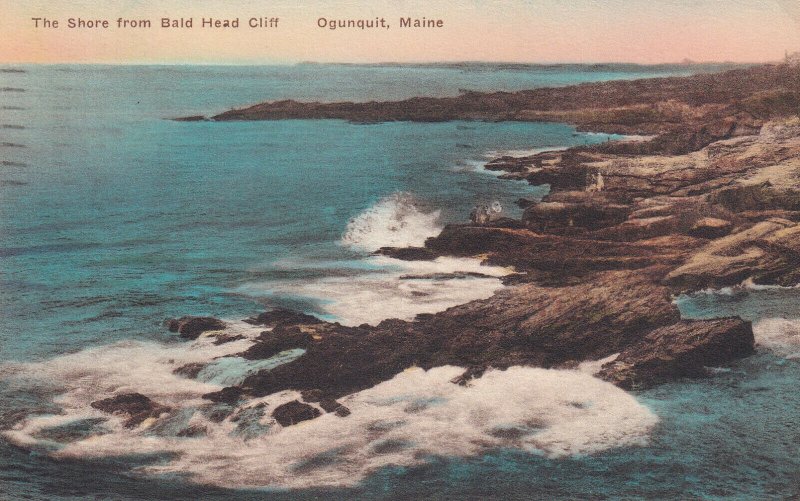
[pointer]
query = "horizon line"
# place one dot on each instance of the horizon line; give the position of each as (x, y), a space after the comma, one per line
(387, 63)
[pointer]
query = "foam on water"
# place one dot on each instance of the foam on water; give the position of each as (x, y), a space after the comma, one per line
(519, 153)
(393, 288)
(137, 366)
(394, 221)
(780, 335)
(416, 415)
(379, 287)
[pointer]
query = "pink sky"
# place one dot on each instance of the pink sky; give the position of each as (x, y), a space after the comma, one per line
(643, 31)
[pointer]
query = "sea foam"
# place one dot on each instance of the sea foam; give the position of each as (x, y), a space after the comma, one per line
(414, 416)
(382, 287)
(394, 288)
(779, 335)
(394, 221)
(404, 421)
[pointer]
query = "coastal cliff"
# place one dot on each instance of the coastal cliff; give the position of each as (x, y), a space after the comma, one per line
(711, 201)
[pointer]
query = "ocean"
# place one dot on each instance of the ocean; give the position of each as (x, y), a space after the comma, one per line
(114, 218)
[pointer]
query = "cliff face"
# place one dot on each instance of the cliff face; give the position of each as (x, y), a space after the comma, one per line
(625, 227)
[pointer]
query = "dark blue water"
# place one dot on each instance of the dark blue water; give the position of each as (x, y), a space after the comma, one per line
(113, 219)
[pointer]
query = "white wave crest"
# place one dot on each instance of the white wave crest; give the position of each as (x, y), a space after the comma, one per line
(403, 421)
(779, 335)
(394, 221)
(394, 288)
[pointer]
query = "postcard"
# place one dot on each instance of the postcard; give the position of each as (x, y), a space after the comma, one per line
(448, 250)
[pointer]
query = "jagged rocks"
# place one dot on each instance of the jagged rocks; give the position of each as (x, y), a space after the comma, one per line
(764, 252)
(561, 217)
(711, 228)
(282, 316)
(408, 253)
(294, 412)
(270, 343)
(625, 226)
(192, 327)
(136, 406)
(189, 371)
(330, 405)
(526, 324)
(229, 395)
(684, 349)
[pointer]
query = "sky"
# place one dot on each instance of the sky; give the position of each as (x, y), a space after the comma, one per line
(544, 31)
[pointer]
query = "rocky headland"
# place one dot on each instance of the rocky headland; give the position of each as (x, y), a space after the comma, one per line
(711, 200)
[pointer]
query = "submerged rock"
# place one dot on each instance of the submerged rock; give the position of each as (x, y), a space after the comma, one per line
(471, 373)
(193, 431)
(190, 370)
(135, 405)
(192, 327)
(294, 412)
(193, 118)
(229, 395)
(330, 405)
(408, 253)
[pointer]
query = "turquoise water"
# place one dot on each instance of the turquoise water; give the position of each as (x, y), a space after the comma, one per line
(113, 219)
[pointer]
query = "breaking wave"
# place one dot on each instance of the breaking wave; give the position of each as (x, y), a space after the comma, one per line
(779, 335)
(391, 288)
(377, 287)
(404, 421)
(394, 221)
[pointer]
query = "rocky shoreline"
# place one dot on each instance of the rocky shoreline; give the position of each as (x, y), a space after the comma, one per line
(711, 201)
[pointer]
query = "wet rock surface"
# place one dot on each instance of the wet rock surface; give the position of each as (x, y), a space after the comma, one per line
(282, 316)
(294, 412)
(135, 406)
(685, 349)
(193, 327)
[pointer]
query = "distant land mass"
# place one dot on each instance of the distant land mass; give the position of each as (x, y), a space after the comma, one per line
(511, 66)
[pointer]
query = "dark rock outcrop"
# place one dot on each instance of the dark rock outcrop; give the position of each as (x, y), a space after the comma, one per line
(560, 217)
(270, 343)
(685, 349)
(192, 327)
(229, 395)
(526, 324)
(294, 412)
(135, 405)
(282, 316)
(408, 253)
(330, 405)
